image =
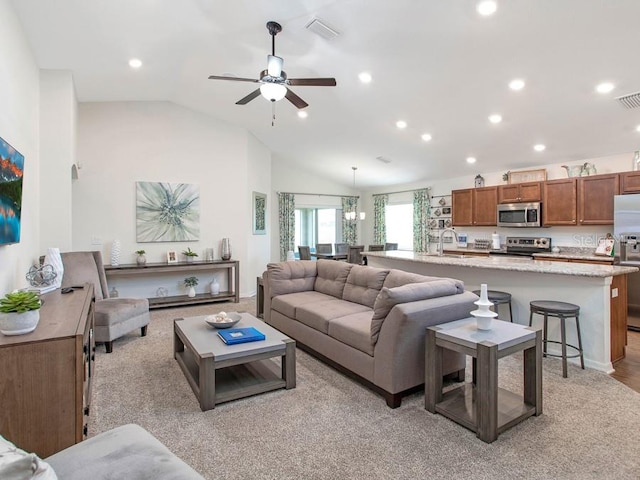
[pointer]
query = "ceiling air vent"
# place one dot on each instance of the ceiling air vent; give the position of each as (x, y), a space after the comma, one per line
(322, 29)
(383, 159)
(631, 100)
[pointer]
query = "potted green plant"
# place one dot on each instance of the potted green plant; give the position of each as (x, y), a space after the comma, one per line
(190, 283)
(19, 313)
(141, 260)
(191, 255)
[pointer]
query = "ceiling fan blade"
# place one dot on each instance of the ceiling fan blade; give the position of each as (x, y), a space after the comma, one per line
(317, 82)
(248, 98)
(274, 66)
(235, 79)
(295, 99)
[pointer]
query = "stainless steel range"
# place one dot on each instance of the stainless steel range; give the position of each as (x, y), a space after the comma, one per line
(525, 246)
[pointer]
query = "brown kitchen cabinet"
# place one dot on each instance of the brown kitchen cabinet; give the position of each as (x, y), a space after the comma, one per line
(45, 386)
(630, 182)
(520, 192)
(595, 199)
(474, 206)
(560, 202)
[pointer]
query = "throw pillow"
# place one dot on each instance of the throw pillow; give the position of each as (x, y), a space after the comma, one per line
(411, 292)
(16, 464)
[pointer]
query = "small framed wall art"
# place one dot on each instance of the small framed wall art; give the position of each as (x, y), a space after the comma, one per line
(172, 256)
(259, 213)
(527, 176)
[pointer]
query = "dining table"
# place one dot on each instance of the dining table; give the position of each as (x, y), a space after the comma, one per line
(330, 255)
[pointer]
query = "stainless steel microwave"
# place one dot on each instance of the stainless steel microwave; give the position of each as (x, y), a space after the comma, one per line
(520, 215)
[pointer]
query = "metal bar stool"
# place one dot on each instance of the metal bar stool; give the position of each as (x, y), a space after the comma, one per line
(561, 310)
(497, 298)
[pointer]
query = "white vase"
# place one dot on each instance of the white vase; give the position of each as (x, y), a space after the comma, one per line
(14, 323)
(115, 253)
(483, 315)
(226, 249)
(214, 287)
(54, 259)
(141, 260)
(290, 256)
(191, 292)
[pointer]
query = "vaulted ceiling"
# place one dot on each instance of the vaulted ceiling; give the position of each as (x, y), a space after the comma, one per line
(438, 65)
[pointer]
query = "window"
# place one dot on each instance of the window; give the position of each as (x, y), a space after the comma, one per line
(318, 225)
(399, 223)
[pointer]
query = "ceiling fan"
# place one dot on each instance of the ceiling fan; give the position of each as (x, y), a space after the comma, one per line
(274, 82)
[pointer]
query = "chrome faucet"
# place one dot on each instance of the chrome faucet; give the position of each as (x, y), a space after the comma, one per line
(440, 248)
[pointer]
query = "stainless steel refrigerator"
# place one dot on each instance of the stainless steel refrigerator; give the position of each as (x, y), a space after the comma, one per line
(626, 228)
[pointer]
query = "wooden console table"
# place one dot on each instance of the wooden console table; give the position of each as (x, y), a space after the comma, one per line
(231, 266)
(45, 385)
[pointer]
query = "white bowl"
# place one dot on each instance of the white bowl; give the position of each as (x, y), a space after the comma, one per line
(223, 322)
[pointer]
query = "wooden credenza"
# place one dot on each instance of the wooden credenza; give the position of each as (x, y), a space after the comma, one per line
(45, 375)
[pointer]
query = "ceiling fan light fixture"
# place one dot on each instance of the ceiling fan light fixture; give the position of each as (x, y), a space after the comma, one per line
(273, 91)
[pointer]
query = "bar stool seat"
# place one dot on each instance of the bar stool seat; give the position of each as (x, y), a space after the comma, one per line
(498, 298)
(562, 311)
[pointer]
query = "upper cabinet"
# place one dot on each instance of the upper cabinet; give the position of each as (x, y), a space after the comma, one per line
(560, 202)
(630, 182)
(595, 199)
(475, 206)
(520, 192)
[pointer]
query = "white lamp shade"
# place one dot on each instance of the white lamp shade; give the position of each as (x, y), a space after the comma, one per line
(273, 91)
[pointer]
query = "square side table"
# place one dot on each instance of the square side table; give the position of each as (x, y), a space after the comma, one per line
(481, 406)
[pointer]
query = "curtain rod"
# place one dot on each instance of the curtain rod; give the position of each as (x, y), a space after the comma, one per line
(320, 194)
(402, 191)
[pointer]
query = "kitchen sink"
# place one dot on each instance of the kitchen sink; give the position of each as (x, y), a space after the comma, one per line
(449, 255)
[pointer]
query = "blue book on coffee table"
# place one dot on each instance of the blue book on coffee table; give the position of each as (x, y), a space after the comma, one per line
(233, 336)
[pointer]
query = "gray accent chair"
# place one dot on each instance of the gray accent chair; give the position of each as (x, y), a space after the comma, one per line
(305, 253)
(114, 317)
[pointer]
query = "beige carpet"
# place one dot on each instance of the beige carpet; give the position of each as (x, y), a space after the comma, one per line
(330, 427)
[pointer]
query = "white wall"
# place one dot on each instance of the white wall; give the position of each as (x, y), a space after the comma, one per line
(121, 143)
(19, 103)
(58, 112)
(562, 236)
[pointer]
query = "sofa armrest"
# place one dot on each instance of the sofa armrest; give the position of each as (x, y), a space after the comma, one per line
(399, 353)
(128, 451)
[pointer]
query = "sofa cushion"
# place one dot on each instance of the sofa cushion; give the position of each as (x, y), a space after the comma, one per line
(318, 315)
(287, 304)
(397, 278)
(331, 277)
(353, 330)
(411, 292)
(291, 277)
(364, 284)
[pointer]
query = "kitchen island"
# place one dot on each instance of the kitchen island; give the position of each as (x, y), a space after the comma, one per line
(599, 290)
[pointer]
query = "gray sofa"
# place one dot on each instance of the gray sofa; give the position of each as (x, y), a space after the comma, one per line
(365, 321)
(126, 452)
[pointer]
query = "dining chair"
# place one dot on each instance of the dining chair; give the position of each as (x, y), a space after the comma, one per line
(305, 252)
(354, 254)
(324, 248)
(375, 248)
(342, 248)
(390, 246)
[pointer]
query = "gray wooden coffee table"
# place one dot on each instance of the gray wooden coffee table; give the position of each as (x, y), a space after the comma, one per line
(218, 372)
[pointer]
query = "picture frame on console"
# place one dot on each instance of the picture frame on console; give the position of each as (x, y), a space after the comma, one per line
(172, 256)
(259, 213)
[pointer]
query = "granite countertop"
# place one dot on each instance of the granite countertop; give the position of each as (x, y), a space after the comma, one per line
(570, 253)
(524, 264)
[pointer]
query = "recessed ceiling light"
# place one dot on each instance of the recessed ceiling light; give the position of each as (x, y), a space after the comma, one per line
(638, 128)
(516, 84)
(605, 87)
(487, 7)
(135, 63)
(426, 137)
(471, 159)
(495, 118)
(365, 77)
(401, 124)
(303, 114)
(539, 147)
